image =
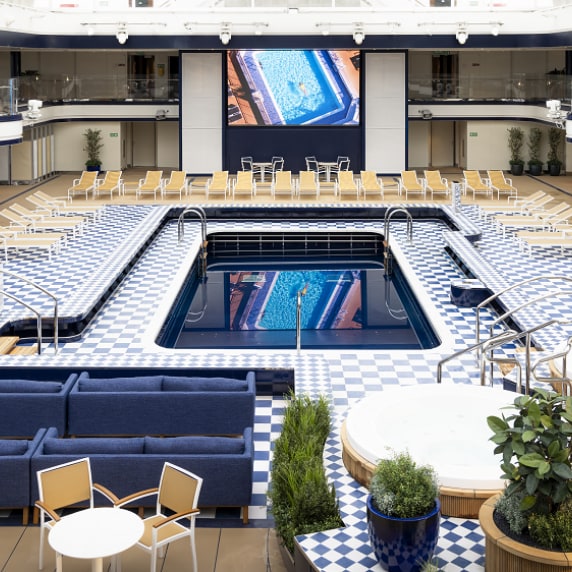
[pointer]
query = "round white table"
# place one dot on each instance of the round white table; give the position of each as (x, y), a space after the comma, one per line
(95, 533)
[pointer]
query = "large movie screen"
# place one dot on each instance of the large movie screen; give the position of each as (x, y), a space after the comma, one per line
(293, 87)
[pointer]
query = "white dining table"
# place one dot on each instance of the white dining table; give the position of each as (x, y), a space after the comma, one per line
(95, 533)
(327, 165)
(262, 167)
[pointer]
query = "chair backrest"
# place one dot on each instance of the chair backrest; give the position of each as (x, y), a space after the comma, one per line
(244, 179)
(307, 180)
(179, 489)
(434, 179)
(153, 178)
(497, 179)
(111, 179)
(176, 180)
(87, 179)
(409, 179)
(369, 180)
(246, 163)
(473, 178)
(346, 180)
(66, 485)
(344, 164)
(283, 179)
(219, 180)
(311, 164)
(277, 164)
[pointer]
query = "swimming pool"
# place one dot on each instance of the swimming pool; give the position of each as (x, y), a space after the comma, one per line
(251, 301)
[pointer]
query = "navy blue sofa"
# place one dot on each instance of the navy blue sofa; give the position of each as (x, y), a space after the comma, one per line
(161, 405)
(15, 475)
(129, 464)
(27, 405)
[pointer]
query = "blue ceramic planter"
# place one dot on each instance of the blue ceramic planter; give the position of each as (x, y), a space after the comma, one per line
(403, 544)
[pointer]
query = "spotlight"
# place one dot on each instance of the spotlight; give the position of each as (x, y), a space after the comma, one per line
(462, 35)
(225, 34)
(426, 114)
(359, 35)
(122, 34)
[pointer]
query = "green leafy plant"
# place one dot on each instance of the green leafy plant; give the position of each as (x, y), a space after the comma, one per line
(515, 143)
(401, 488)
(302, 499)
(535, 444)
(555, 138)
(93, 147)
(534, 142)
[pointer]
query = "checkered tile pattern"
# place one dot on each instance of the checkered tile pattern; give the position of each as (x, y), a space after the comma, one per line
(122, 333)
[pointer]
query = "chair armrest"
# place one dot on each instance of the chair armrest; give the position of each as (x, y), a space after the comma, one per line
(136, 496)
(42, 506)
(175, 516)
(106, 493)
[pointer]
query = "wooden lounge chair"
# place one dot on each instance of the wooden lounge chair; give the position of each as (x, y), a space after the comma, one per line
(411, 184)
(473, 182)
(151, 184)
(534, 221)
(500, 184)
(63, 223)
(308, 184)
(217, 184)
(111, 183)
(536, 202)
(244, 184)
(177, 183)
(282, 184)
(370, 183)
(85, 184)
(347, 184)
(55, 210)
(25, 241)
(435, 183)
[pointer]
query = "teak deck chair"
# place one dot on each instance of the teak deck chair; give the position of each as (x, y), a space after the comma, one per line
(347, 184)
(370, 184)
(177, 183)
(473, 182)
(411, 184)
(217, 184)
(109, 184)
(500, 184)
(151, 184)
(85, 184)
(308, 184)
(435, 183)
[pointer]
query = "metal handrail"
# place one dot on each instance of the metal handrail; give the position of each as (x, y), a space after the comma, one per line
(299, 295)
(386, 220)
(44, 291)
(563, 379)
(38, 317)
(200, 212)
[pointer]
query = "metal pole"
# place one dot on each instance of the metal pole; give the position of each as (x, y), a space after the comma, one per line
(298, 320)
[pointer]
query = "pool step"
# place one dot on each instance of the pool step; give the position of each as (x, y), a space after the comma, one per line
(8, 346)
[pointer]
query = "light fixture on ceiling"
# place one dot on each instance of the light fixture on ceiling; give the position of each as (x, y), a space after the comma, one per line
(225, 34)
(122, 34)
(359, 35)
(462, 35)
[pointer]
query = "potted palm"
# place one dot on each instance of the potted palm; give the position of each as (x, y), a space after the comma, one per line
(93, 146)
(534, 142)
(555, 138)
(515, 142)
(403, 513)
(530, 522)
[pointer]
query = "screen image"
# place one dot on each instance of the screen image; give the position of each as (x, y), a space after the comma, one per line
(293, 87)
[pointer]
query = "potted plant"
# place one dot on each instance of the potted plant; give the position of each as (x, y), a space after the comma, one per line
(93, 146)
(302, 499)
(534, 142)
(515, 142)
(403, 513)
(530, 522)
(555, 138)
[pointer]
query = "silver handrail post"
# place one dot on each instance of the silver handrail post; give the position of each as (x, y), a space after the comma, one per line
(299, 320)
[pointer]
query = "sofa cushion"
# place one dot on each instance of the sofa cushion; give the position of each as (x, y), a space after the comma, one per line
(13, 447)
(173, 383)
(29, 386)
(94, 445)
(144, 383)
(194, 445)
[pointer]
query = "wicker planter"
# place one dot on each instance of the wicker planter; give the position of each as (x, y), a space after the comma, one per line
(503, 553)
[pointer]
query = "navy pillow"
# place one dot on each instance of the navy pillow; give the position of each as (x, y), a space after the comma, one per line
(194, 445)
(13, 447)
(171, 383)
(145, 383)
(29, 386)
(93, 446)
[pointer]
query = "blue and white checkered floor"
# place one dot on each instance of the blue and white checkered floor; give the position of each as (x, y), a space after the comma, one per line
(124, 329)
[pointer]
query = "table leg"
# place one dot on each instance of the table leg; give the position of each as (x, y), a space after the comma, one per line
(59, 567)
(97, 565)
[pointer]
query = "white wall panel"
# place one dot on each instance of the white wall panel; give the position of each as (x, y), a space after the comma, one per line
(386, 112)
(201, 112)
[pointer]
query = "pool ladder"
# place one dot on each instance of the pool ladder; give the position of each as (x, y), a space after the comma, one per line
(387, 255)
(200, 212)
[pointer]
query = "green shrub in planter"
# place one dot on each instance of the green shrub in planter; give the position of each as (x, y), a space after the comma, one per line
(302, 499)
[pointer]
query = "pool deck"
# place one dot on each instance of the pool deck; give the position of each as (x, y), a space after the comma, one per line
(123, 330)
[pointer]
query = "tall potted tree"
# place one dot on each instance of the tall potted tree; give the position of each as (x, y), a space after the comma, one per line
(515, 143)
(534, 142)
(403, 513)
(93, 147)
(528, 527)
(555, 138)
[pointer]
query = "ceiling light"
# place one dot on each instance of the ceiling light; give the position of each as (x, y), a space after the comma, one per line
(462, 35)
(225, 34)
(359, 35)
(122, 34)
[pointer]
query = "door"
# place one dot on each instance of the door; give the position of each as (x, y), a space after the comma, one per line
(442, 144)
(143, 143)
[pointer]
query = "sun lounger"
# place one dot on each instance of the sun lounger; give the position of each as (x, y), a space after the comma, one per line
(64, 223)
(435, 183)
(57, 210)
(308, 184)
(347, 184)
(500, 184)
(177, 183)
(473, 182)
(217, 184)
(283, 184)
(25, 241)
(111, 183)
(370, 183)
(84, 185)
(244, 184)
(525, 207)
(151, 184)
(533, 221)
(556, 240)
(411, 184)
